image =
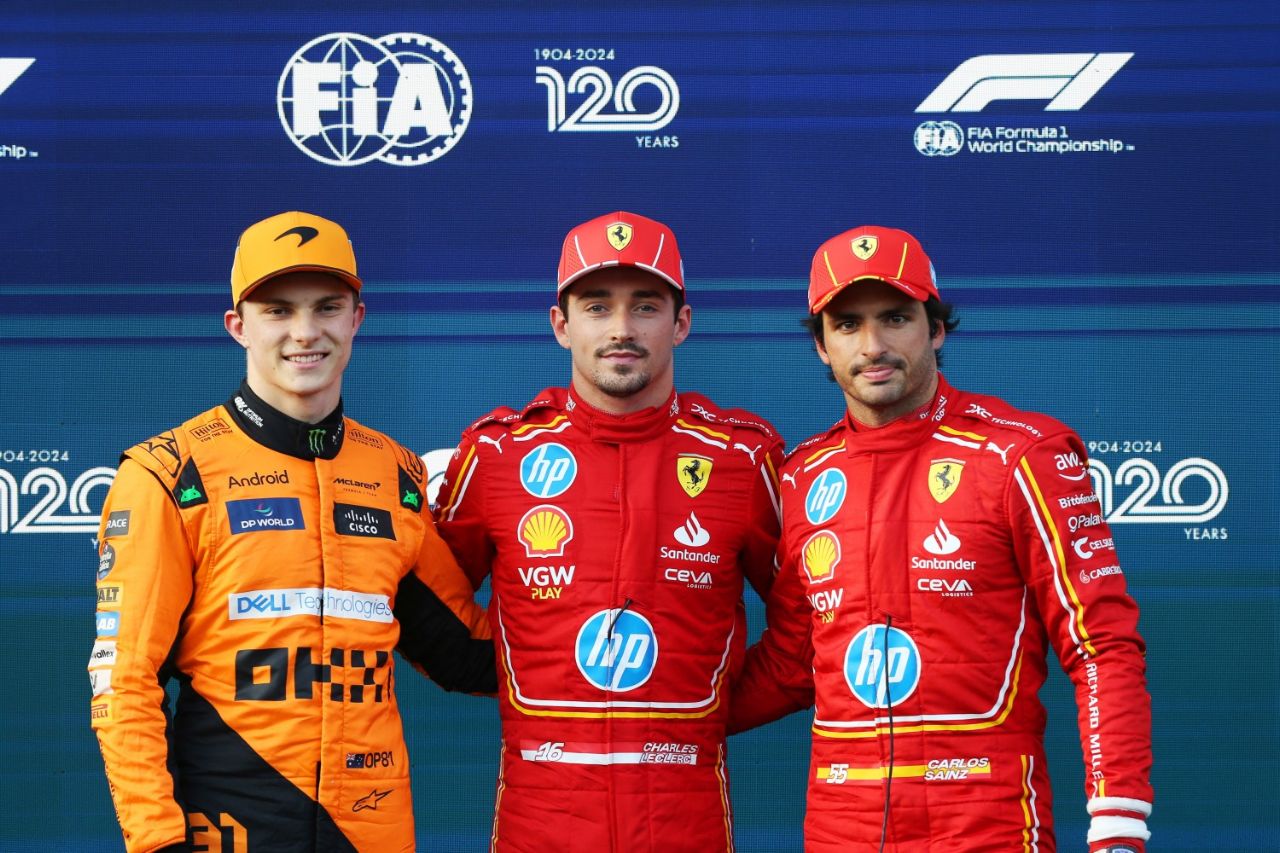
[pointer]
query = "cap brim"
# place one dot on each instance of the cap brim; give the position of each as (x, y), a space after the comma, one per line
(606, 264)
(910, 290)
(346, 277)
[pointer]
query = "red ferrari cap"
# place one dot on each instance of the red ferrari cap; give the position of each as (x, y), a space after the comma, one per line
(621, 239)
(870, 252)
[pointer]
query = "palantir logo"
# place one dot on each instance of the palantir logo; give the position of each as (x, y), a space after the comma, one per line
(346, 99)
(1066, 80)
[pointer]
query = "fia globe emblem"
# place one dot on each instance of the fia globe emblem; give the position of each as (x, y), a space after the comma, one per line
(939, 138)
(346, 99)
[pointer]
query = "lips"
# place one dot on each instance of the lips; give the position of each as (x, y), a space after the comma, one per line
(877, 373)
(304, 359)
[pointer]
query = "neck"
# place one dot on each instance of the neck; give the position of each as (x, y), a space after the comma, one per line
(310, 408)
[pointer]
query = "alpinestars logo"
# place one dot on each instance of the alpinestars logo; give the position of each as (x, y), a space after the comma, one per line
(346, 99)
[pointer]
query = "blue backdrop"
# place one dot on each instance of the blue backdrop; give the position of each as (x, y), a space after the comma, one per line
(1095, 181)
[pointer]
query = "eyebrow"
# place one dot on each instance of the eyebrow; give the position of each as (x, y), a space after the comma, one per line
(289, 303)
(897, 308)
(601, 293)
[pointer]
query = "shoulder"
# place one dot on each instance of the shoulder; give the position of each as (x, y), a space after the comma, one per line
(815, 447)
(412, 470)
(737, 424)
(992, 417)
(545, 411)
(166, 454)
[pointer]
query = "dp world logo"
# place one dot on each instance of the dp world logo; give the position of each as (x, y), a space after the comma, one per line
(346, 99)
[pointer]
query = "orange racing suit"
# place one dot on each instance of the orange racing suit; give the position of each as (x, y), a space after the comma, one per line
(270, 567)
(617, 548)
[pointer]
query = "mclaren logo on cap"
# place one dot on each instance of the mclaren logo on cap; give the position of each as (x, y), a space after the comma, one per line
(305, 234)
(865, 247)
(619, 235)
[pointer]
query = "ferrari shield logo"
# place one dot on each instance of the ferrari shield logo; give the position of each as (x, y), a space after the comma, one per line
(619, 235)
(865, 247)
(693, 472)
(944, 478)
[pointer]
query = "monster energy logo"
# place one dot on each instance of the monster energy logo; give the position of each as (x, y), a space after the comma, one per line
(315, 438)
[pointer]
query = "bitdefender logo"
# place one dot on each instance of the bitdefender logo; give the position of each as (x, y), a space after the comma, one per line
(347, 99)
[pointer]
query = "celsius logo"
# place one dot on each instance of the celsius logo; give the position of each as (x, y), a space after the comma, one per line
(1066, 80)
(598, 86)
(346, 99)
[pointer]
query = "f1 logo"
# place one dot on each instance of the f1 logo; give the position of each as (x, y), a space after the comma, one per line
(11, 70)
(1066, 80)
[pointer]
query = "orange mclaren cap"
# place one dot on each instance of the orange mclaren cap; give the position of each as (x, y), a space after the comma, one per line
(291, 242)
(870, 252)
(621, 239)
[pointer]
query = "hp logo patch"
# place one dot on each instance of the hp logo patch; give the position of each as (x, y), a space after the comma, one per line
(548, 470)
(346, 99)
(866, 666)
(826, 496)
(616, 650)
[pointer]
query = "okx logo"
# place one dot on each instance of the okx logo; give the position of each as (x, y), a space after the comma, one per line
(1066, 80)
(346, 99)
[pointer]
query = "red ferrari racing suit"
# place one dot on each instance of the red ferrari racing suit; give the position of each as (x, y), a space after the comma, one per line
(944, 550)
(617, 548)
(270, 567)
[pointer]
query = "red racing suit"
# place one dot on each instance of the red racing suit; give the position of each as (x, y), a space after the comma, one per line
(617, 547)
(945, 549)
(270, 567)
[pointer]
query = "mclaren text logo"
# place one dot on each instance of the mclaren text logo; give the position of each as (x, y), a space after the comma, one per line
(1066, 80)
(346, 99)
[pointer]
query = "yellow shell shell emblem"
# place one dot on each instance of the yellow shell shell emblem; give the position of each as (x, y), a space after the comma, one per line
(821, 554)
(693, 472)
(944, 478)
(619, 235)
(545, 530)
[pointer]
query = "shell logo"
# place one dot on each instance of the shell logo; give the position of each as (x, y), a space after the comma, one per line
(820, 556)
(544, 531)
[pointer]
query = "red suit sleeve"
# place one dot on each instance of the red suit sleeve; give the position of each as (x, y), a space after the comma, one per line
(460, 515)
(1069, 561)
(760, 547)
(777, 677)
(145, 582)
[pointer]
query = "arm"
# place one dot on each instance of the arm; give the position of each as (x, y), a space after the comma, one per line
(460, 513)
(146, 588)
(777, 677)
(761, 545)
(443, 632)
(1092, 622)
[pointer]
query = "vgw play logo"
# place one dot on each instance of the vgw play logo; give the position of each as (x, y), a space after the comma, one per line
(346, 99)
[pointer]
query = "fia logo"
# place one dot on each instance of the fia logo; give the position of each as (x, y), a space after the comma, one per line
(346, 99)
(593, 113)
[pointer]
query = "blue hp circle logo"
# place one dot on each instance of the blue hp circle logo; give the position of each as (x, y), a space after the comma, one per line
(616, 650)
(877, 668)
(826, 496)
(548, 470)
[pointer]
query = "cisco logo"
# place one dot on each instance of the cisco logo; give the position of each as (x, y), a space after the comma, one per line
(346, 99)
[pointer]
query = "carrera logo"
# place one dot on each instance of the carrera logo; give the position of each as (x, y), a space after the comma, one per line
(1066, 80)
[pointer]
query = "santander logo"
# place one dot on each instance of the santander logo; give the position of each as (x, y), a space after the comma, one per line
(941, 541)
(692, 533)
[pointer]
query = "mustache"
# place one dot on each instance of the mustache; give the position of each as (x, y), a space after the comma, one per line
(626, 346)
(880, 361)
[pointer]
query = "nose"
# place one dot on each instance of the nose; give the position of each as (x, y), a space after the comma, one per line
(304, 327)
(870, 341)
(622, 327)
